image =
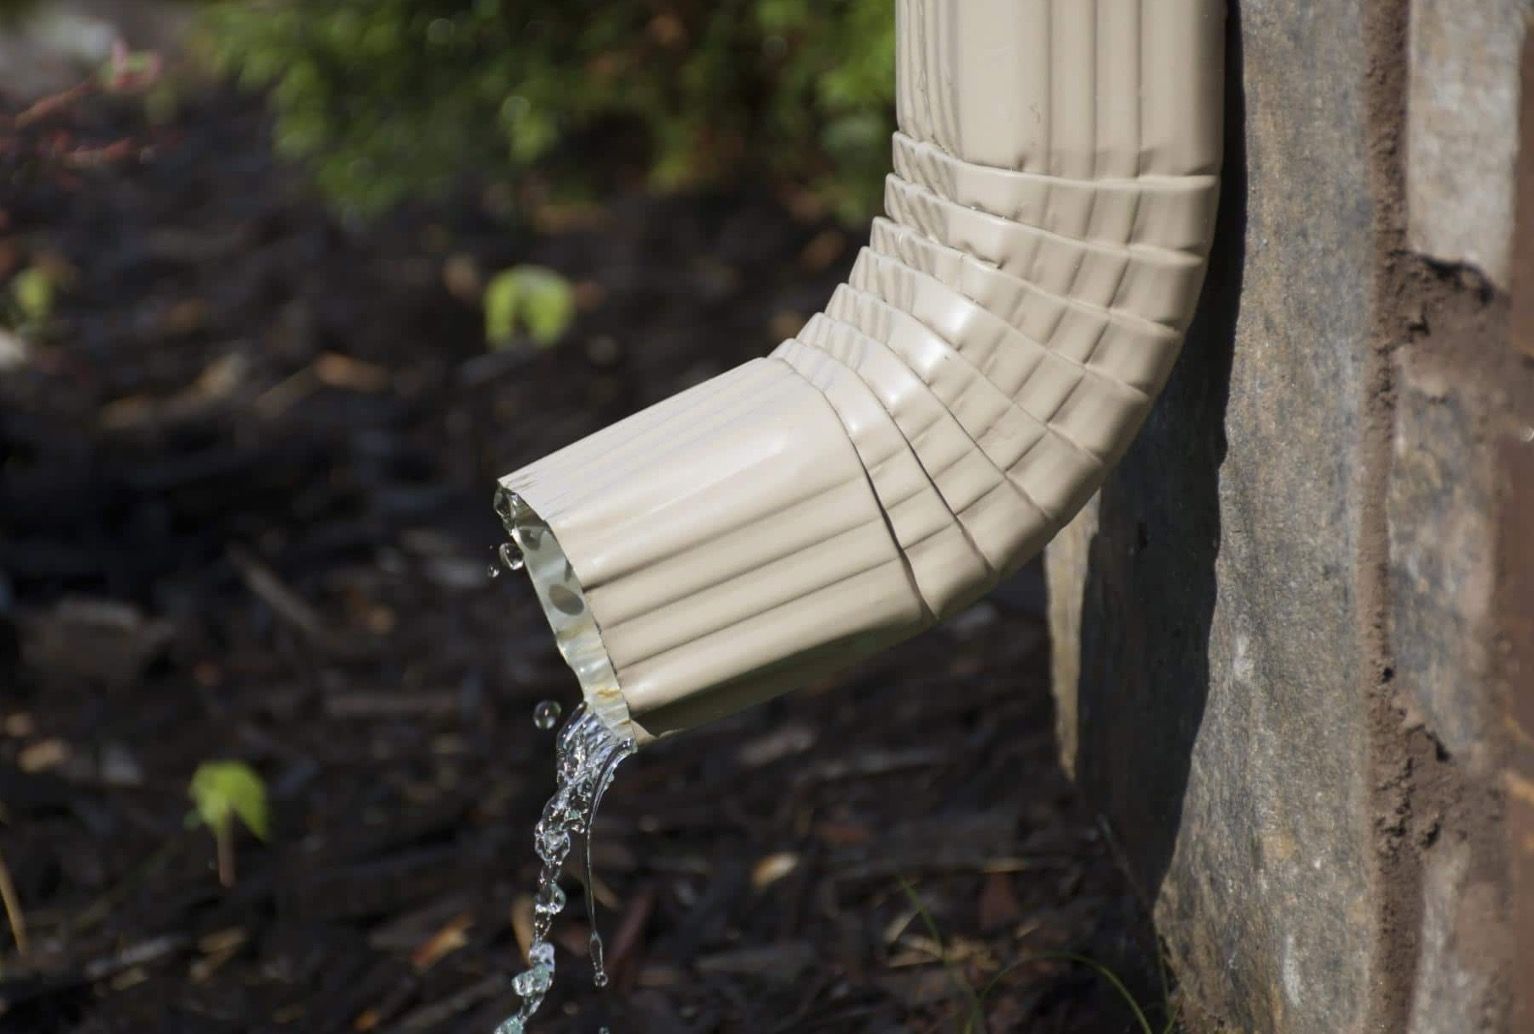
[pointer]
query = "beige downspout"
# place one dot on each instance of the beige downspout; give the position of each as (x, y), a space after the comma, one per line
(993, 353)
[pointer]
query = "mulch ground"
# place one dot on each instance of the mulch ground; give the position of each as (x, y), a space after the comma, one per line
(245, 486)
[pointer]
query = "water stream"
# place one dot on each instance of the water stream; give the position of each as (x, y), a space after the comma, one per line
(586, 757)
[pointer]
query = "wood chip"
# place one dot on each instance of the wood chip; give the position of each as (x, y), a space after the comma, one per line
(897, 926)
(335, 370)
(20, 725)
(773, 868)
(522, 923)
(449, 938)
(780, 743)
(222, 940)
(43, 755)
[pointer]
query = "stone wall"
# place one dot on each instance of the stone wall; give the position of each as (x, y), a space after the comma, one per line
(1286, 631)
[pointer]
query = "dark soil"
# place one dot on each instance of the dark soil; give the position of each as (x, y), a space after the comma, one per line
(245, 486)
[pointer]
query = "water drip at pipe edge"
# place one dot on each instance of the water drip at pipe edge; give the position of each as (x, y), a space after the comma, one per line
(586, 758)
(508, 557)
(546, 714)
(534, 549)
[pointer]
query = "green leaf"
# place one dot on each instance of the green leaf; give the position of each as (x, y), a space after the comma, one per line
(33, 291)
(224, 790)
(531, 297)
(500, 303)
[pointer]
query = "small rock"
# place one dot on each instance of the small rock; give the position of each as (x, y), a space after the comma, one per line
(14, 351)
(106, 641)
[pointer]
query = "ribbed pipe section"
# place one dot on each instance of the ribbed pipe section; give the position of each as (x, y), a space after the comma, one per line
(992, 354)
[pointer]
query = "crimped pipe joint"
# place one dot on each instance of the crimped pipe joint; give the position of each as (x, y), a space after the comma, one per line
(994, 351)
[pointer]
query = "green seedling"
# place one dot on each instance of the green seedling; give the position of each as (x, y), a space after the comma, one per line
(32, 291)
(528, 297)
(222, 791)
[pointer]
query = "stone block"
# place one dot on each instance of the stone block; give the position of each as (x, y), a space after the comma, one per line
(1440, 518)
(1462, 129)
(1441, 510)
(1220, 724)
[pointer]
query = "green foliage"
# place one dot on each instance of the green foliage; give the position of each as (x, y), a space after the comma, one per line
(528, 296)
(388, 99)
(224, 790)
(32, 291)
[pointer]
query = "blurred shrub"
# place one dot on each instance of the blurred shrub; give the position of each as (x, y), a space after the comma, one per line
(389, 99)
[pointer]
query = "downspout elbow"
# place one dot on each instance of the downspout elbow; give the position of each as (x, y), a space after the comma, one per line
(993, 353)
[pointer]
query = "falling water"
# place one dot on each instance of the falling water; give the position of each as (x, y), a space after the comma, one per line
(587, 755)
(546, 714)
(511, 556)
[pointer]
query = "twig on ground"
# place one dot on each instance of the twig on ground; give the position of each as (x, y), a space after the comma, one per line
(288, 605)
(12, 902)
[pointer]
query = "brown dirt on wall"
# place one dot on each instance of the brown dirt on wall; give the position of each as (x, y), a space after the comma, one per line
(1515, 559)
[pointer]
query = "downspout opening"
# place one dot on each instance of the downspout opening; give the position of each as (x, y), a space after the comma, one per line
(563, 600)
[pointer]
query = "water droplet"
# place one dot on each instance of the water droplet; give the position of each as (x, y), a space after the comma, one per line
(598, 967)
(494, 571)
(511, 556)
(546, 714)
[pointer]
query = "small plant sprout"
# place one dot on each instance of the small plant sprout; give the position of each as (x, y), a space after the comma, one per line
(530, 297)
(222, 791)
(32, 293)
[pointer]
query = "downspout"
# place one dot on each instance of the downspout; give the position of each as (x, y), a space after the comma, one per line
(993, 353)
